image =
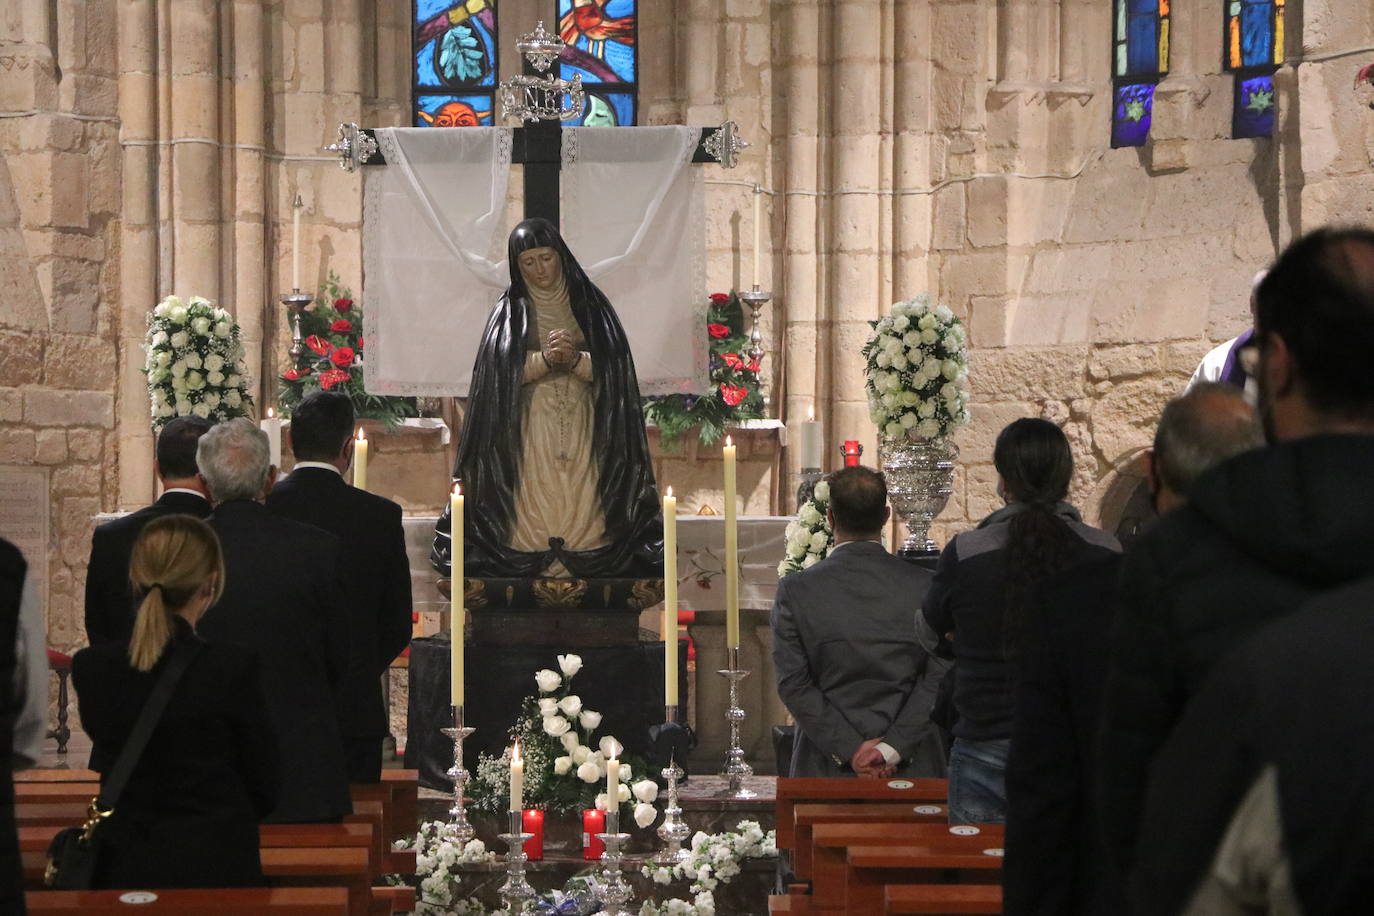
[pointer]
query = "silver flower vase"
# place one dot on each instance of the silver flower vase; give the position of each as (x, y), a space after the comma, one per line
(920, 478)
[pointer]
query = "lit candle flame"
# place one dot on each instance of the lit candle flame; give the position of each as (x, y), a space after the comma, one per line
(515, 754)
(811, 413)
(362, 436)
(669, 494)
(269, 413)
(457, 489)
(729, 443)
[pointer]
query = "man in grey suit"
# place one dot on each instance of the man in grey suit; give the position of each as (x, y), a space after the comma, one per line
(850, 669)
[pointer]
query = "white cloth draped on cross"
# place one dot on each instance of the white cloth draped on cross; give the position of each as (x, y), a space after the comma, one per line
(435, 224)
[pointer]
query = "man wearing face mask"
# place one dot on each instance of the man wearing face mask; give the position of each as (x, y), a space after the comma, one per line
(554, 461)
(1263, 532)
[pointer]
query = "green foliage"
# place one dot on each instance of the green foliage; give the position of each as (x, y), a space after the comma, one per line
(733, 378)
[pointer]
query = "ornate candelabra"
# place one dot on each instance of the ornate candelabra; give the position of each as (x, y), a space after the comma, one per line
(458, 826)
(611, 886)
(295, 302)
(756, 299)
(673, 831)
(515, 891)
(735, 768)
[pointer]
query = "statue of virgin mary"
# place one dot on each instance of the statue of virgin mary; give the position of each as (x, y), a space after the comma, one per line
(553, 458)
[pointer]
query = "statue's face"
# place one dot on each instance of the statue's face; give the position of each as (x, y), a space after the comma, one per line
(540, 267)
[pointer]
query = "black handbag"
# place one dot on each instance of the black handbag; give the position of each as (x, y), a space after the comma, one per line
(74, 851)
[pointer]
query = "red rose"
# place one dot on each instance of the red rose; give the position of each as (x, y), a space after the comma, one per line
(341, 326)
(720, 298)
(342, 357)
(331, 377)
(360, 343)
(733, 360)
(732, 394)
(319, 344)
(343, 305)
(718, 330)
(292, 375)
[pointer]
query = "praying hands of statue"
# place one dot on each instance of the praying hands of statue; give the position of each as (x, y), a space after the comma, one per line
(560, 350)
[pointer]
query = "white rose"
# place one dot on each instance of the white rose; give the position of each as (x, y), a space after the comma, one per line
(159, 396)
(901, 323)
(929, 336)
(547, 680)
(179, 340)
(590, 720)
(195, 381)
(931, 368)
(163, 360)
(926, 409)
(556, 725)
(622, 793)
(233, 380)
(944, 314)
(809, 516)
(222, 329)
(646, 790)
(179, 385)
(949, 390)
(201, 410)
(215, 378)
(625, 773)
(589, 772)
(211, 399)
(160, 339)
(198, 300)
(889, 400)
(177, 315)
(165, 410)
(183, 407)
(233, 398)
(570, 664)
(892, 345)
(899, 362)
(819, 541)
(912, 339)
(796, 550)
(219, 313)
(928, 429)
(883, 359)
(894, 381)
(908, 420)
(548, 706)
(893, 430)
(201, 326)
(160, 310)
(610, 747)
(884, 325)
(570, 742)
(193, 360)
(822, 491)
(562, 765)
(910, 398)
(949, 369)
(214, 362)
(581, 754)
(571, 705)
(601, 801)
(645, 815)
(927, 322)
(810, 561)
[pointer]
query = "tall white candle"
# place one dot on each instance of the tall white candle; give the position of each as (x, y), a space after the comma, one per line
(670, 697)
(517, 779)
(271, 425)
(360, 461)
(296, 206)
(758, 231)
(810, 440)
(456, 612)
(731, 557)
(612, 784)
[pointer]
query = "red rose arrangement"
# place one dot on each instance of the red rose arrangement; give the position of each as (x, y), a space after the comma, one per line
(342, 357)
(341, 326)
(718, 330)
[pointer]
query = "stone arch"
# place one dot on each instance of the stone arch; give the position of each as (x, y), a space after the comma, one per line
(1120, 503)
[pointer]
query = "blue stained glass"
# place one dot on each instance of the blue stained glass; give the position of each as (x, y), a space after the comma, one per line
(427, 9)
(1254, 109)
(1257, 34)
(1145, 6)
(606, 109)
(601, 36)
(454, 55)
(1143, 44)
(1131, 111)
(466, 110)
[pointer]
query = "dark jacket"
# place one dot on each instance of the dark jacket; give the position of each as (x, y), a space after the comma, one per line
(376, 573)
(109, 603)
(1261, 534)
(1298, 697)
(189, 814)
(1056, 865)
(12, 572)
(848, 664)
(282, 600)
(968, 598)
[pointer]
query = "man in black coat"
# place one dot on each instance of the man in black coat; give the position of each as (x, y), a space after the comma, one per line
(1263, 532)
(1056, 864)
(109, 603)
(374, 566)
(12, 572)
(282, 599)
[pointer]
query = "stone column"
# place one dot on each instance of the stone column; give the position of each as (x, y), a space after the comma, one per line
(192, 58)
(243, 226)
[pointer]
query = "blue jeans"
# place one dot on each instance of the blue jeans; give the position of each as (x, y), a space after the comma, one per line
(978, 781)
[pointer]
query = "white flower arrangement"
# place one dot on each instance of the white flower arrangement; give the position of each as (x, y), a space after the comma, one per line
(195, 364)
(714, 860)
(808, 536)
(438, 859)
(917, 371)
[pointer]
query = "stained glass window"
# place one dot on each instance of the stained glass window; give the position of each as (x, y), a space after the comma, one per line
(1254, 49)
(602, 38)
(1140, 58)
(454, 73)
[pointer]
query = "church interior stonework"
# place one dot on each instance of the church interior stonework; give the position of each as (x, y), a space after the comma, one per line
(1094, 207)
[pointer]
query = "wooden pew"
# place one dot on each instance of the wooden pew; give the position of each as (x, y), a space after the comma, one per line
(832, 844)
(922, 899)
(266, 901)
(870, 869)
(808, 815)
(792, 792)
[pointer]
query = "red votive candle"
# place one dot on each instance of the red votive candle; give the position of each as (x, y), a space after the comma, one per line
(852, 450)
(593, 822)
(533, 821)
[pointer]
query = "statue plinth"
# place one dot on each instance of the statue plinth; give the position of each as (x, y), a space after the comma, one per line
(556, 612)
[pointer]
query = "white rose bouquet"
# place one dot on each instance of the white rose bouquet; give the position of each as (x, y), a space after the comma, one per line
(565, 772)
(809, 537)
(917, 371)
(195, 364)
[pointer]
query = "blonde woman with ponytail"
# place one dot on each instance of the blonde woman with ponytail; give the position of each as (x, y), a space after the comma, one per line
(189, 814)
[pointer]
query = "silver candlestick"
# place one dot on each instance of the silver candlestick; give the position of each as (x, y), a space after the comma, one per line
(735, 768)
(516, 891)
(673, 831)
(611, 886)
(756, 299)
(295, 302)
(458, 827)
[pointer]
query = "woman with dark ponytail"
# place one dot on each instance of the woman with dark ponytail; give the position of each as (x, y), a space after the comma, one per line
(985, 580)
(188, 816)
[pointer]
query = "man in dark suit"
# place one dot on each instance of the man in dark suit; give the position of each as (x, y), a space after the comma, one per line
(1056, 862)
(13, 572)
(109, 604)
(849, 667)
(374, 566)
(282, 599)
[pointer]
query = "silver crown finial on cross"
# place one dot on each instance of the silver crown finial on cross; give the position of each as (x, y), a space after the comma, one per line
(546, 98)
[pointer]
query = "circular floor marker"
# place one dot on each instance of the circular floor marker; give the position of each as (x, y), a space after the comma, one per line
(900, 784)
(965, 830)
(138, 897)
